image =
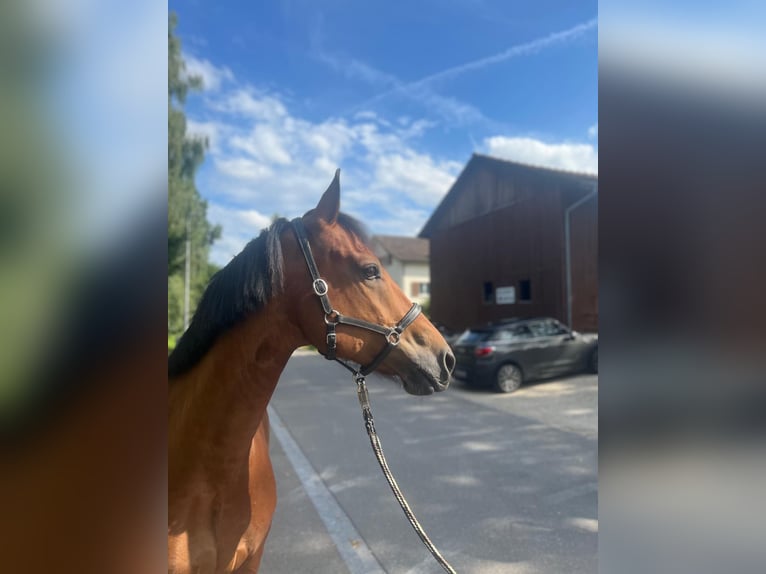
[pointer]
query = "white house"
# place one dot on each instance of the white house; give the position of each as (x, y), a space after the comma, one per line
(406, 260)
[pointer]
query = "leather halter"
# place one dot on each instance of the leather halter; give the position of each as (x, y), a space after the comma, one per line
(333, 318)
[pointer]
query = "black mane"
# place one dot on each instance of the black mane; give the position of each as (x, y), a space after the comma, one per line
(243, 286)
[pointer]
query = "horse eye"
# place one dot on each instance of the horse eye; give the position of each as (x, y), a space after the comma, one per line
(371, 272)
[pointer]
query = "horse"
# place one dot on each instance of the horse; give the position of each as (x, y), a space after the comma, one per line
(267, 302)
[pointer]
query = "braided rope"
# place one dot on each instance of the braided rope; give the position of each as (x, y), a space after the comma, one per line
(377, 448)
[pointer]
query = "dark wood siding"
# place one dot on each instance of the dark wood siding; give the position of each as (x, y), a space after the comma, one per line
(584, 254)
(505, 246)
(503, 223)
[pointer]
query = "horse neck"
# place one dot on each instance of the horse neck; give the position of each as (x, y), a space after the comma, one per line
(216, 408)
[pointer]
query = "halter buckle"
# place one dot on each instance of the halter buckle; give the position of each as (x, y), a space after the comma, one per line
(393, 337)
(320, 287)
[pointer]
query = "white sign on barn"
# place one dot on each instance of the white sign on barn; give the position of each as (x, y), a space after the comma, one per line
(505, 295)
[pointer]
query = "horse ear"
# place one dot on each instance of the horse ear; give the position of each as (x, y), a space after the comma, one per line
(329, 206)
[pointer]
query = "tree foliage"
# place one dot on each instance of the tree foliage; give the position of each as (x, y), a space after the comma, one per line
(187, 211)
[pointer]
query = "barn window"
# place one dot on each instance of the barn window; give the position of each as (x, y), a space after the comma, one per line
(525, 290)
(489, 292)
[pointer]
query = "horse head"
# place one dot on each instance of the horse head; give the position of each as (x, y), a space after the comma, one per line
(359, 286)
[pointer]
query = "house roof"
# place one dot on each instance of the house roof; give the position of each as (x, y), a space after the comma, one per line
(413, 249)
(504, 168)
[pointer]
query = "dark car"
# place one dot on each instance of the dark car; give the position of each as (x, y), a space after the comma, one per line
(506, 354)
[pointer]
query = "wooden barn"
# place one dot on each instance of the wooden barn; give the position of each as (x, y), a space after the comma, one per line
(513, 240)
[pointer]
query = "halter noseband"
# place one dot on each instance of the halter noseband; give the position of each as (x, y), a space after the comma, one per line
(333, 318)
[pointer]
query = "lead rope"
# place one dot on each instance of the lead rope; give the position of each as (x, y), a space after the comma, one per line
(377, 448)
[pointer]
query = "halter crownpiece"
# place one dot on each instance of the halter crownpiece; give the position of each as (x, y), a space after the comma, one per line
(333, 318)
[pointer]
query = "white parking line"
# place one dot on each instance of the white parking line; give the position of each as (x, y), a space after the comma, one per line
(353, 550)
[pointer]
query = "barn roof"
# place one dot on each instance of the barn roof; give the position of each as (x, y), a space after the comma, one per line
(504, 169)
(412, 249)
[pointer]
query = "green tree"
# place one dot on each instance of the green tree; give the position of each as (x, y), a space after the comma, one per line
(187, 211)
(38, 253)
(426, 305)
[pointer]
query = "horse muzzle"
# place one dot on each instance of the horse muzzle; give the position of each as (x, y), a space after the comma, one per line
(426, 373)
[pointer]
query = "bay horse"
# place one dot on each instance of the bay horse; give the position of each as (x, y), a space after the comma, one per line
(254, 313)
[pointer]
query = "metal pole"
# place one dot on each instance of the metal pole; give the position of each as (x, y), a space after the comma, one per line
(568, 249)
(187, 276)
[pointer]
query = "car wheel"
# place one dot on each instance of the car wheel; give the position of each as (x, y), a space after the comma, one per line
(593, 363)
(508, 378)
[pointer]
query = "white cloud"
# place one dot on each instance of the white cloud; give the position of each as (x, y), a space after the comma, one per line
(422, 178)
(416, 128)
(330, 139)
(402, 221)
(243, 168)
(593, 131)
(580, 157)
(254, 218)
(266, 160)
(263, 143)
(239, 225)
(212, 76)
(246, 102)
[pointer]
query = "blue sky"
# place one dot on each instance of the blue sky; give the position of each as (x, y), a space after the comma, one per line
(398, 95)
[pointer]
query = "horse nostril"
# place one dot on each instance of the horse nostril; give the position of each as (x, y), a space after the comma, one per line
(449, 361)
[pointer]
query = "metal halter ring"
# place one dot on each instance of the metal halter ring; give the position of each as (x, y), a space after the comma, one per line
(320, 287)
(393, 337)
(332, 318)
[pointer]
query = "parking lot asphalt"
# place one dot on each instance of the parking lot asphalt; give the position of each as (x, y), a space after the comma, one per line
(569, 403)
(501, 483)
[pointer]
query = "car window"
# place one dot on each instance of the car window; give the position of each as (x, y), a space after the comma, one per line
(502, 336)
(558, 328)
(472, 337)
(512, 334)
(547, 328)
(522, 331)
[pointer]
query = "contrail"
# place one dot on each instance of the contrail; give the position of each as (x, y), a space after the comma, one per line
(512, 52)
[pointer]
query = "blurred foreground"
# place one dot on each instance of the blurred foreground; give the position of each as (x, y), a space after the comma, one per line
(682, 113)
(82, 286)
